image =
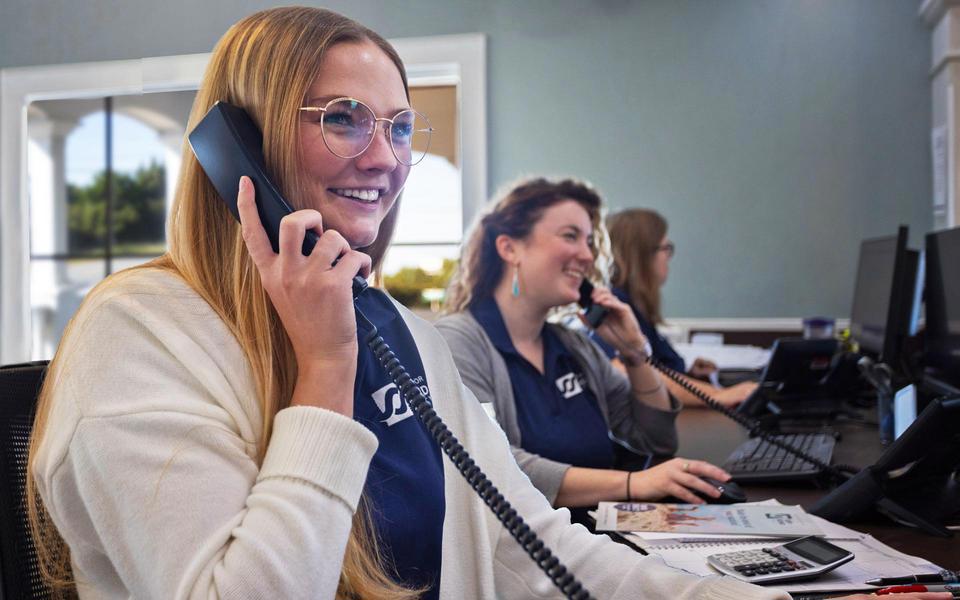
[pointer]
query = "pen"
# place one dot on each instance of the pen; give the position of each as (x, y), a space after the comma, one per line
(916, 587)
(944, 576)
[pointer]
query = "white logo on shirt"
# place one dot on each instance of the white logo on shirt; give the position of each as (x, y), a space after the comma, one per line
(391, 405)
(569, 385)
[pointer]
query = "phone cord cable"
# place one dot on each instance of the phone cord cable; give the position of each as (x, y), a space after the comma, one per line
(526, 537)
(839, 472)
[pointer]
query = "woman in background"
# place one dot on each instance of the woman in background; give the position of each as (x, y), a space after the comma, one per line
(558, 398)
(641, 264)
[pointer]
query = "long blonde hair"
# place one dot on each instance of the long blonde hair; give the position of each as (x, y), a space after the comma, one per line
(265, 64)
(518, 209)
(635, 237)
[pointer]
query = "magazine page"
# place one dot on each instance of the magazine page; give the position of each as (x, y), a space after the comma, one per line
(726, 519)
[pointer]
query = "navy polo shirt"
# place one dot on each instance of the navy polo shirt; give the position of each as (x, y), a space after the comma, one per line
(404, 486)
(557, 413)
(662, 350)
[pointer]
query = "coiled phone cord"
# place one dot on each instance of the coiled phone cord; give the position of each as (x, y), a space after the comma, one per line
(526, 537)
(839, 472)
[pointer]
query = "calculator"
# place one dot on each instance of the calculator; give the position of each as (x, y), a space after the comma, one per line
(804, 558)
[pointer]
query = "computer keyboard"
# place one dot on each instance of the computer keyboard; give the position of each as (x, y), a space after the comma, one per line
(756, 461)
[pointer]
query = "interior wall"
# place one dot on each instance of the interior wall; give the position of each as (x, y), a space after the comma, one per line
(773, 135)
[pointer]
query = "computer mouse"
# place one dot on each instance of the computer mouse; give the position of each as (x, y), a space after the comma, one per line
(730, 492)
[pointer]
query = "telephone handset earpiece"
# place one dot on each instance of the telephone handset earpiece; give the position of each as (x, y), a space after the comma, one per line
(592, 313)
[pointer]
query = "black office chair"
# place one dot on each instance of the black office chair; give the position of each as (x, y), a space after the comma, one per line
(19, 572)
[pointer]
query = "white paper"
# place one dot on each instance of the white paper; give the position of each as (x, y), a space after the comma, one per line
(872, 557)
(728, 356)
(904, 409)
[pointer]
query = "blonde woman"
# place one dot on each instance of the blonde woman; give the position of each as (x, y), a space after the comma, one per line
(209, 427)
(641, 264)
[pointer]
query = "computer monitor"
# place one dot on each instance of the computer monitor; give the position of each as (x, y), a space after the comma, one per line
(884, 296)
(792, 384)
(799, 366)
(942, 335)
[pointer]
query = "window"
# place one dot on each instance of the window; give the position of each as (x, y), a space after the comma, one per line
(99, 147)
(101, 174)
(430, 225)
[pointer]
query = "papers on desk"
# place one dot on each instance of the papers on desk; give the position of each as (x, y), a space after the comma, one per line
(728, 356)
(873, 558)
(726, 519)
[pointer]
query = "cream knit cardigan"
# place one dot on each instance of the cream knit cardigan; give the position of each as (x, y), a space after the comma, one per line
(148, 469)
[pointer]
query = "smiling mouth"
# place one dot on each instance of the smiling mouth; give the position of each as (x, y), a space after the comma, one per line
(365, 195)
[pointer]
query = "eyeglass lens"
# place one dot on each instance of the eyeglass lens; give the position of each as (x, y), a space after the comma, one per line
(349, 127)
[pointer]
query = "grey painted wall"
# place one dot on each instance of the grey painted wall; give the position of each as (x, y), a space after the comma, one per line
(773, 135)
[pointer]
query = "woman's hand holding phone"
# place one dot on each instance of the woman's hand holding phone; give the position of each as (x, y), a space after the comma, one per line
(313, 298)
(619, 328)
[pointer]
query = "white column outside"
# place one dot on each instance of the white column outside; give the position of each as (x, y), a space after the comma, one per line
(48, 216)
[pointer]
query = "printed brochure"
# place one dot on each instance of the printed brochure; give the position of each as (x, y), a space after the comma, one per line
(732, 519)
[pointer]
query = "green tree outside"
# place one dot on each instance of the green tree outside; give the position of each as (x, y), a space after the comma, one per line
(139, 213)
(407, 284)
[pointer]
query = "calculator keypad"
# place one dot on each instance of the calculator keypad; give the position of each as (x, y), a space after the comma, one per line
(752, 563)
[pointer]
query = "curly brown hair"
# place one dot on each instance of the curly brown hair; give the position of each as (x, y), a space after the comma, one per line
(518, 209)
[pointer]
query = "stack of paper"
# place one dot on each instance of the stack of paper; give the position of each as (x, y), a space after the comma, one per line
(728, 356)
(685, 543)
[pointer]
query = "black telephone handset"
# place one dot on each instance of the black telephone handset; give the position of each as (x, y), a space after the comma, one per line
(594, 314)
(228, 145)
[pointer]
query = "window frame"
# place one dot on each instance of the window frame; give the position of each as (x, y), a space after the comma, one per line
(434, 60)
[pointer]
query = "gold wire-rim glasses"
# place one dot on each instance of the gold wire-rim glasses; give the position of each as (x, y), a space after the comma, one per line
(387, 129)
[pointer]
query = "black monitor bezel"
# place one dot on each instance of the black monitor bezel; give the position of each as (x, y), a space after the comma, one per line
(800, 364)
(941, 348)
(900, 301)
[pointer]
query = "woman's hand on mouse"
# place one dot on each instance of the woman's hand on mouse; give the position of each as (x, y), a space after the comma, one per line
(677, 477)
(312, 297)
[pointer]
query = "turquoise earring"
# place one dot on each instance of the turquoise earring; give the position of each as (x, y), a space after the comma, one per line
(516, 281)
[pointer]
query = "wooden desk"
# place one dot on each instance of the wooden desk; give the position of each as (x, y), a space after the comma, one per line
(708, 435)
